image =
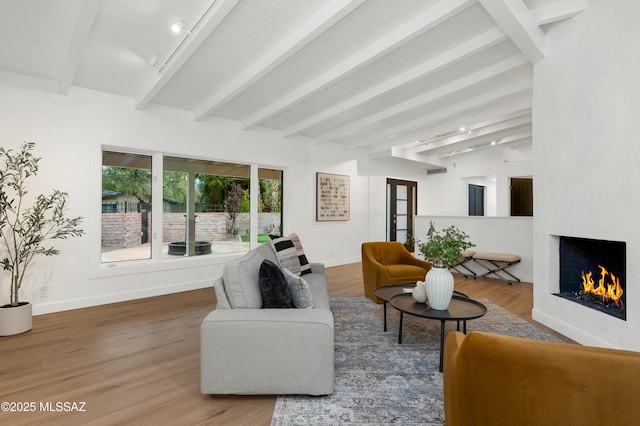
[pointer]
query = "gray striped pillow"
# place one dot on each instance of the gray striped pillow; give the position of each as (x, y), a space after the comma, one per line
(287, 254)
(305, 268)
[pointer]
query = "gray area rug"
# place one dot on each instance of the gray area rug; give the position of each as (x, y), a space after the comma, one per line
(378, 381)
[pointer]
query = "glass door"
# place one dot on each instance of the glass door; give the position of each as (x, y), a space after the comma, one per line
(401, 207)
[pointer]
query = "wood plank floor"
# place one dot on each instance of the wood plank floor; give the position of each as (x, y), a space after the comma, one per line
(138, 362)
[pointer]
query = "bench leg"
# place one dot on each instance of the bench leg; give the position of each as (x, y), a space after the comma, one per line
(495, 268)
(462, 265)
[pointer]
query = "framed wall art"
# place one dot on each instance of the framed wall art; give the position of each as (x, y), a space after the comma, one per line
(332, 197)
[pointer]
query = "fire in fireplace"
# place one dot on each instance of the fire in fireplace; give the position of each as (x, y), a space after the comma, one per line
(592, 273)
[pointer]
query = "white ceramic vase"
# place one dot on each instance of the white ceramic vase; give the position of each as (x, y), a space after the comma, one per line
(15, 320)
(439, 284)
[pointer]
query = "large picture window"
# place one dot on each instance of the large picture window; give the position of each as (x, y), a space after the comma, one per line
(126, 206)
(206, 207)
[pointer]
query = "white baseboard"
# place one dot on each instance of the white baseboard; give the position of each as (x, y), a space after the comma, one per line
(569, 331)
(66, 305)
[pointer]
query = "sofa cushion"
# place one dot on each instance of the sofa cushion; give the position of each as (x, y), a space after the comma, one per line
(273, 286)
(301, 295)
(241, 275)
(221, 295)
(286, 253)
(305, 268)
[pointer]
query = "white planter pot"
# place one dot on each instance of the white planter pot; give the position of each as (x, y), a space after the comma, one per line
(15, 320)
(439, 283)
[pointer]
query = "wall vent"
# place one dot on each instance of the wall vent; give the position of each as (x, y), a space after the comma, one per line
(436, 171)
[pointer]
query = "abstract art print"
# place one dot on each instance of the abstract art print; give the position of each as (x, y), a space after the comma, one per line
(332, 193)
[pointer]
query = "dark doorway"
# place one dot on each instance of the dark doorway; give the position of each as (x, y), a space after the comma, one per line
(521, 197)
(401, 207)
(476, 200)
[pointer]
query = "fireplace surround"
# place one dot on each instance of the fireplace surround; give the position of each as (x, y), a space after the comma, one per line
(593, 274)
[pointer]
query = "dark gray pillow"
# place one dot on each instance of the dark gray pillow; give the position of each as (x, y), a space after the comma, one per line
(273, 286)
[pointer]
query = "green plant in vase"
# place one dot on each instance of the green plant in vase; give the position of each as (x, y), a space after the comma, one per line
(442, 249)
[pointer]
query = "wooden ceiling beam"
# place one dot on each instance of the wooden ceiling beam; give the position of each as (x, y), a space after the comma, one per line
(84, 22)
(207, 25)
(448, 119)
(419, 25)
(276, 56)
(440, 92)
(515, 19)
(448, 58)
(560, 11)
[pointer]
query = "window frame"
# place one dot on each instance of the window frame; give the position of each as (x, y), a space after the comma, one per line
(98, 269)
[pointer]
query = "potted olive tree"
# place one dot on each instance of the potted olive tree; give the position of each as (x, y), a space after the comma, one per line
(27, 224)
(443, 249)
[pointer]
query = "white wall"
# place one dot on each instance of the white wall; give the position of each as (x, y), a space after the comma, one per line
(445, 194)
(586, 124)
(69, 132)
(508, 235)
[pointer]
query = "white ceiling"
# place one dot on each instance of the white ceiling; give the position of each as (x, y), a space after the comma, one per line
(398, 78)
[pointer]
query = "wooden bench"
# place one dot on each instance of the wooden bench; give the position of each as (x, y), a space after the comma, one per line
(497, 262)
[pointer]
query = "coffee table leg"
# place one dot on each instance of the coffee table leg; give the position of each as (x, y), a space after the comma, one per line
(400, 329)
(385, 316)
(441, 344)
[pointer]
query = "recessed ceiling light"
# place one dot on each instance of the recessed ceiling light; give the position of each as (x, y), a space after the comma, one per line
(462, 129)
(176, 28)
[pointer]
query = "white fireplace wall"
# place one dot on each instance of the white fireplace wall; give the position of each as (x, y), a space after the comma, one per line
(586, 161)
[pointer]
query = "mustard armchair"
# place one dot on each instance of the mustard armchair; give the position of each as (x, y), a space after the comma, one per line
(388, 262)
(495, 380)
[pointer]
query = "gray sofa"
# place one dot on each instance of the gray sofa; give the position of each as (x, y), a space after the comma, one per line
(249, 350)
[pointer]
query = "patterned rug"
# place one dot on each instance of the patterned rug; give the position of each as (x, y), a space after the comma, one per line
(378, 381)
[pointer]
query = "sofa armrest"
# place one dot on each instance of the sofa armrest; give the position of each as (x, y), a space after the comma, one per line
(267, 351)
(317, 268)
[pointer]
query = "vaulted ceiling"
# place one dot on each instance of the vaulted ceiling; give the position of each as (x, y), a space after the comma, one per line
(420, 80)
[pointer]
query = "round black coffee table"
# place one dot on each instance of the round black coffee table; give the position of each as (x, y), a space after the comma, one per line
(460, 309)
(386, 292)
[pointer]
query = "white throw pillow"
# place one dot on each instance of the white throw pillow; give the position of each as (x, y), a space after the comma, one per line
(300, 291)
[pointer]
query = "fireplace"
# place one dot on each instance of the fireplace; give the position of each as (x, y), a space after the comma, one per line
(593, 274)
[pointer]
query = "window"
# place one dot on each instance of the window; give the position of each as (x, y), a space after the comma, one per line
(126, 206)
(269, 204)
(205, 209)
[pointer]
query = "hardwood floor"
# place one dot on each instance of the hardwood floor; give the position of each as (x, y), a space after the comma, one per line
(138, 362)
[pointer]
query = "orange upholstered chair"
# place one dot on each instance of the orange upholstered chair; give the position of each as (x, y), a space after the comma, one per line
(496, 380)
(388, 262)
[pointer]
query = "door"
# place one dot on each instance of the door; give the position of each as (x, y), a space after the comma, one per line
(521, 197)
(476, 200)
(401, 207)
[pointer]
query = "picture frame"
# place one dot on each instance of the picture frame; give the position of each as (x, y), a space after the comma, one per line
(332, 197)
